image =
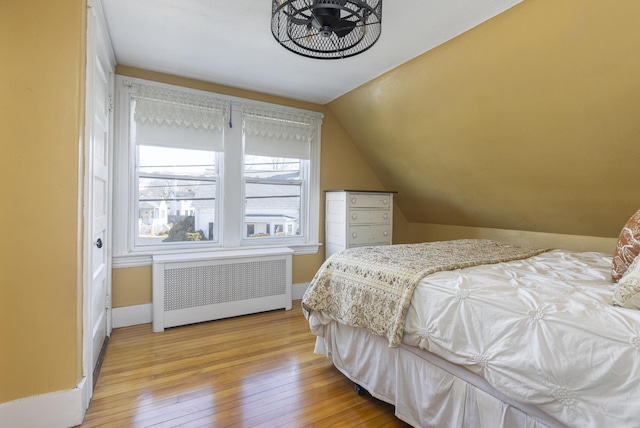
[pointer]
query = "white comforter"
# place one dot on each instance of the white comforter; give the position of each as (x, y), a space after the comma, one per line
(542, 330)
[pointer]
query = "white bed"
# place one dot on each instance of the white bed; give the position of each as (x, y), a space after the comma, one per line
(530, 342)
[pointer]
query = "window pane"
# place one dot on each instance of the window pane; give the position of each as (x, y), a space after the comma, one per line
(172, 161)
(175, 210)
(271, 167)
(272, 209)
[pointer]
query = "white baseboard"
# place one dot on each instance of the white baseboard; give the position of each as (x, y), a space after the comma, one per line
(131, 315)
(61, 409)
(297, 290)
(142, 314)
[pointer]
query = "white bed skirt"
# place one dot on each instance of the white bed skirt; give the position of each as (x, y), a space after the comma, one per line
(426, 390)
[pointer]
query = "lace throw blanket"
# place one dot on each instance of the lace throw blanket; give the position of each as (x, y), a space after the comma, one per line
(371, 287)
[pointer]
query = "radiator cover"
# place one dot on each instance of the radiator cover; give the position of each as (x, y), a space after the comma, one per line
(191, 288)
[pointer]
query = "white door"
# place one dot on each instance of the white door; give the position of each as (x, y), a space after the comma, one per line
(97, 265)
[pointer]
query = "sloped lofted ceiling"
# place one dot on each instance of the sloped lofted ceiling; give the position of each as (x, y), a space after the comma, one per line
(527, 122)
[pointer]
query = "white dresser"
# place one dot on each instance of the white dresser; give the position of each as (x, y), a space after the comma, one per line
(357, 219)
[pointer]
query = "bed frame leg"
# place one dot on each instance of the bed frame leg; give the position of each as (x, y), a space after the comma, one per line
(360, 390)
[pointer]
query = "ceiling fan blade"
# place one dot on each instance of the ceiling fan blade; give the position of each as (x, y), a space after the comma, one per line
(344, 28)
(300, 21)
(324, 16)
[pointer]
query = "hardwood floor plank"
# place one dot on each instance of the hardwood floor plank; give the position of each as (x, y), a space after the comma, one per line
(251, 371)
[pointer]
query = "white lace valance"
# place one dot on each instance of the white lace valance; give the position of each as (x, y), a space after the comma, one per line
(279, 123)
(175, 108)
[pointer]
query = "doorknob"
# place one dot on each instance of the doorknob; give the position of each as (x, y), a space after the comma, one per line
(98, 243)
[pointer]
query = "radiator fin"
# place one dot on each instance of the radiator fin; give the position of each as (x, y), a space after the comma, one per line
(189, 287)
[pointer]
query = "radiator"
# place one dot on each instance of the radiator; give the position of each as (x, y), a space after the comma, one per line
(191, 288)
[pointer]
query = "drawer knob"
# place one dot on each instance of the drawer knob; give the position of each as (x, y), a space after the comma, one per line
(354, 235)
(386, 201)
(354, 216)
(386, 216)
(386, 233)
(353, 200)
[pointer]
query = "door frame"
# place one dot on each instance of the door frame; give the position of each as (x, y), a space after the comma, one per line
(98, 43)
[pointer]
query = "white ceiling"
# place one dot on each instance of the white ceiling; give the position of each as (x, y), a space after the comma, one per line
(230, 42)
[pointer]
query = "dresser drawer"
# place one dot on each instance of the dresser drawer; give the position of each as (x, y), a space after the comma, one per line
(369, 216)
(357, 218)
(369, 200)
(369, 235)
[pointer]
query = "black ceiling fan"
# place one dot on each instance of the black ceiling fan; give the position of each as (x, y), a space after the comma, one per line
(325, 28)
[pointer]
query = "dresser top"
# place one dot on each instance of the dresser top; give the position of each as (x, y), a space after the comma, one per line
(362, 191)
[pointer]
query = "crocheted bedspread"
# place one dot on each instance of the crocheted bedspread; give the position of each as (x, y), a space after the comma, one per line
(371, 287)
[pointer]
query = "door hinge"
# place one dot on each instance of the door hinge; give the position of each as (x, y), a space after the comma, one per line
(108, 302)
(111, 103)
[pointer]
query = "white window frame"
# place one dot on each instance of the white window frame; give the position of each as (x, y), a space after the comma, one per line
(230, 186)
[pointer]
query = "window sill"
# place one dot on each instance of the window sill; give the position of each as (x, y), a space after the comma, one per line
(136, 259)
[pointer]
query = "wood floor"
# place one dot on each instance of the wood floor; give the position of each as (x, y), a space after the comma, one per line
(252, 371)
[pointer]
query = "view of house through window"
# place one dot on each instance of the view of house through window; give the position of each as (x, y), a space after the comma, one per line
(273, 196)
(177, 191)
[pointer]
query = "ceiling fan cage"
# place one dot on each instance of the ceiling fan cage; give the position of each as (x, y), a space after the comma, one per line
(326, 29)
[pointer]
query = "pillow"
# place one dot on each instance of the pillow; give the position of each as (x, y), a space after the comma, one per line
(627, 248)
(627, 291)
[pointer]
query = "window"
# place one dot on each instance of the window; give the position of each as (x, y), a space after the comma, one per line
(277, 147)
(177, 139)
(195, 170)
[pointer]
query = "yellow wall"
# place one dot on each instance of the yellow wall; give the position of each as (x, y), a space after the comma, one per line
(527, 122)
(342, 167)
(131, 286)
(42, 110)
(422, 232)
